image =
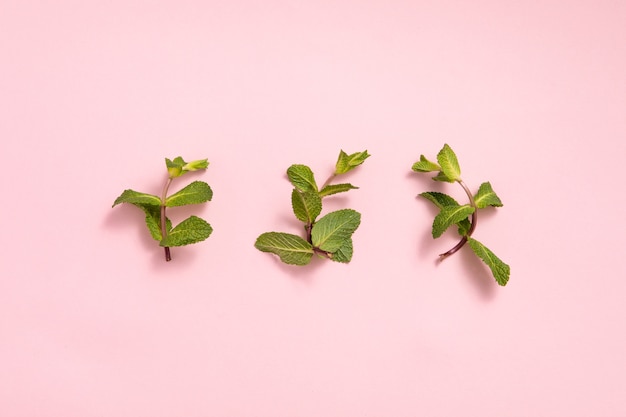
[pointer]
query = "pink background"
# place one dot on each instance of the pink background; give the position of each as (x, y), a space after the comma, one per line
(93, 96)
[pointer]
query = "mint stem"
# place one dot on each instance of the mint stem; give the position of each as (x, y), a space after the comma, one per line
(322, 252)
(308, 227)
(168, 256)
(473, 221)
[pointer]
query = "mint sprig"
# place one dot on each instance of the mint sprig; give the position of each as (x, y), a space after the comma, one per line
(463, 216)
(328, 237)
(191, 230)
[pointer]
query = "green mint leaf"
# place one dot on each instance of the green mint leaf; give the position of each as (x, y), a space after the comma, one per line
(196, 165)
(424, 165)
(290, 248)
(486, 196)
(344, 253)
(175, 167)
(449, 163)
(501, 271)
(195, 193)
(441, 200)
(153, 221)
(448, 216)
(336, 188)
(306, 205)
(177, 162)
(302, 177)
(347, 162)
(135, 197)
(178, 166)
(464, 227)
(191, 230)
(441, 177)
(155, 228)
(331, 231)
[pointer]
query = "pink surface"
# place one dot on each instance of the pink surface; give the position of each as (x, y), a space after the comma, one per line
(93, 96)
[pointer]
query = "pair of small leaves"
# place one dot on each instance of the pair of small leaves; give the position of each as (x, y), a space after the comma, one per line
(448, 165)
(331, 235)
(178, 166)
(347, 162)
(303, 179)
(195, 193)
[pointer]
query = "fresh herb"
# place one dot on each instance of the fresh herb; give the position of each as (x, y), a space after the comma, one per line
(191, 230)
(330, 236)
(463, 216)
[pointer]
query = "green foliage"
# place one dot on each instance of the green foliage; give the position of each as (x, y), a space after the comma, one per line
(347, 162)
(448, 216)
(335, 189)
(332, 230)
(191, 230)
(195, 193)
(441, 177)
(464, 227)
(449, 163)
(441, 200)
(302, 178)
(500, 270)
(290, 248)
(424, 165)
(178, 166)
(453, 213)
(330, 236)
(153, 221)
(486, 196)
(344, 253)
(137, 198)
(306, 205)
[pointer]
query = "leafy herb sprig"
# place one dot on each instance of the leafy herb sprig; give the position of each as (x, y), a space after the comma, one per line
(191, 230)
(463, 216)
(330, 236)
